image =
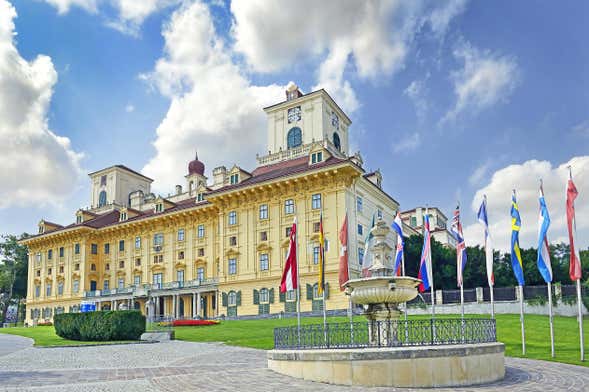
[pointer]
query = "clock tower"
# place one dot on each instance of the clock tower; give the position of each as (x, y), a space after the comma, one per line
(304, 119)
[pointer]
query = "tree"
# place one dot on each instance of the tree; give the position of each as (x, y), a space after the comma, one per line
(13, 271)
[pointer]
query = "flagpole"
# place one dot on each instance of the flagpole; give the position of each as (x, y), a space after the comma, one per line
(323, 277)
(550, 318)
(578, 281)
(521, 317)
(298, 284)
(492, 301)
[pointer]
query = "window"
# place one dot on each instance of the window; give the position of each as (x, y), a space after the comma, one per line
(49, 254)
(233, 241)
(232, 266)
(38, 273)
(61, 269)
(264, 296)
(92, 267)
(94, 249)
(181, 255)
(200, 197)
(291, 295)
(77, 267)
(232, 217)
(201, 252)
(77, 249)
(359, 203)
(121, 283)
(61, 251)
(287, 231)
(48, 290)
(264, 263)
(123, 216)
(263, 236)
(38, 256)
(37, 291)
(316, 201)
(107, 266)
(180, 275)
(317, 157)
(137, 242)
(181, 235)
(79, 219)
(106, 284)
(122, 264)
(121, 245)
(316, 251)
(201, 231)
(316, 227)
(232, 299)
(289, 206)
(102, 199)
(49, 271)
(360, 229)
(157, 279)
(76, 286)
(137, 262)
(159, 207)
(336, 141)
(264, 211)
(60, 288)
(200, 274)
(106, 249)
(360, 255)
(294, 137)
(137, 280)
(379, 213)
(158, 240)
(413, 221)
(102, 180)
(316, 291)
(158, 259)
(234, 179)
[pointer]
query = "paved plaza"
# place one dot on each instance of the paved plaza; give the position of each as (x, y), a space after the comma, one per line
(184, 366)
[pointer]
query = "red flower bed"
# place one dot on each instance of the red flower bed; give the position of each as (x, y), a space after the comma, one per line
(193, 323)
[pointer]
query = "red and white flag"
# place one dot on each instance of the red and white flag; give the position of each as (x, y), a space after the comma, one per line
(289, 275)
(344, 275)
(575, 264)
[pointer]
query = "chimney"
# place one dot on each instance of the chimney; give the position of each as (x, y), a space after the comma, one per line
(219, 174)
(292, 91)
(136, 200)
(178, 189)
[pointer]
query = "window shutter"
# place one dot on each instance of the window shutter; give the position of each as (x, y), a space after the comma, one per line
(309, 291)
(281, 296)
(224, 299)
(271, 295)
(256, 297)
(326, 285)
(238, 298)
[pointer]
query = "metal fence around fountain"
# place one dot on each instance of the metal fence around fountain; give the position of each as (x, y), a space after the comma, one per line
(393, 333)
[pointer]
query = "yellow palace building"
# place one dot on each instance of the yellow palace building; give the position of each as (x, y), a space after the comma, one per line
(216, 246)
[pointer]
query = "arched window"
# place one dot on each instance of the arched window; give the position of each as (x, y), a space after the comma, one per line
(102, 199)
(336, 141)
(294, 137)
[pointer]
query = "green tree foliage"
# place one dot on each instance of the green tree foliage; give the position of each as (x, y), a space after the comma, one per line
(13, 271)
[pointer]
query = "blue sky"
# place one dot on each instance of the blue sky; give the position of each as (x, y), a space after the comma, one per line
(451, 100)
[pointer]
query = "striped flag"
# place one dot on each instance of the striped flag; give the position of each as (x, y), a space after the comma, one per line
(398, 227)
(543, 260)
(425, 264)
(321, 284)
(456, 230)
(483, 220)
(516, 257)
(289, 275)
(344, 274)
(575, 262)
(367, 262)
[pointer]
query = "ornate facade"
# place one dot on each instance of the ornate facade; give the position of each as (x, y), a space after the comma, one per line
(216, 247)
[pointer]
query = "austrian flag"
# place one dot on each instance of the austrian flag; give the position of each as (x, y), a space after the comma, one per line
(289, 276)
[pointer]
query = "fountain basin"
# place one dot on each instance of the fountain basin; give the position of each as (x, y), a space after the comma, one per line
(382, 290)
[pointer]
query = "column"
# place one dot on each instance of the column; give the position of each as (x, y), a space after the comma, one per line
(198, 304)
(157, 306)
(112, 304)
(193, 305)
(174, 301)
(177, 309)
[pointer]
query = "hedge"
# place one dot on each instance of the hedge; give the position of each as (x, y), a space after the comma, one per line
(100, 326)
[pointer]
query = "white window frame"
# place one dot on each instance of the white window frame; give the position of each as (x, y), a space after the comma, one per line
(232, 298)
(232, 266)
(289, 206)
(201, 231)
(316, 201)
(264, 262)
(181, 235)
(264, 296)
(263, 211)
(180, 275)
(232, 218)
(138, 242)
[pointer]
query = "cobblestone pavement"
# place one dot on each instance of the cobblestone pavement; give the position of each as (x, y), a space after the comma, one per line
(12, 343)
(183, 366)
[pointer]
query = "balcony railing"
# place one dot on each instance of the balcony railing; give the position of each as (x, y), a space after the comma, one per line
(143, 290)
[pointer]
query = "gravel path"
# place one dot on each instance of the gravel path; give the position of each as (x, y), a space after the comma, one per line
(13, 343)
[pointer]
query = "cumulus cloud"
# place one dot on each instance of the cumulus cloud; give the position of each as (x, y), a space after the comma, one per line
(63, 6)
(525, 179)
(38, 166)
(372, 37)
(214, 107)
(485, 79)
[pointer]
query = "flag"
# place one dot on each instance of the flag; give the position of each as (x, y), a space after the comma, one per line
(483, 220)
(575, 261)
(344, 275)
(398, 227)
(321, 284)
(367, 262)
(289, 276)
(456, 230)
(516, 257)
(425, 264)
(543, 260)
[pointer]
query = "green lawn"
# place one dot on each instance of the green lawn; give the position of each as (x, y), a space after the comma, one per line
(46, 337)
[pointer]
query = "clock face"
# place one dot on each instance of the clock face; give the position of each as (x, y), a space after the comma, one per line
(334, 120)
(294, 114)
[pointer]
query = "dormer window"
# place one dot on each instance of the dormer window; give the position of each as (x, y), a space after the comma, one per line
(317, 157)
(159, 207)
(79, 219)
(123, 216)
(200, 197)
(41, 229)
(234, 179)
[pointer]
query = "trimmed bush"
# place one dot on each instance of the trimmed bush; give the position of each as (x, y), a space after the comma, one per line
(100, 326)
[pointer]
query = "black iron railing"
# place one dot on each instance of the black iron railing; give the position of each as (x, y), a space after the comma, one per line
(394, 333)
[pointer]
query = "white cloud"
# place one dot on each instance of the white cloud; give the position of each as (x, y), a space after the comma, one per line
(372, 37)
(581, 129)
(214, 107)
(479, 173)
(408, 143)
(417, 92)
(485, 79)
(63, 6)
(130, 108)
(525, 179)
(38, 166)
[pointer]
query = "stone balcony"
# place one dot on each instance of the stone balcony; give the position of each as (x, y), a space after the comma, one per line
(161, 289)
